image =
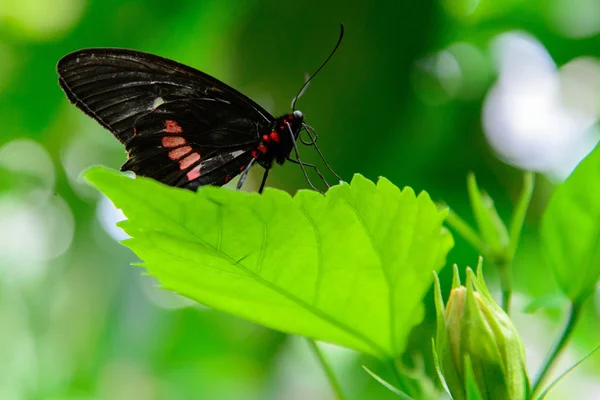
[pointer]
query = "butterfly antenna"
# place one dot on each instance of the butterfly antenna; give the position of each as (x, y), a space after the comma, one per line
(313, 142)
(301, 91)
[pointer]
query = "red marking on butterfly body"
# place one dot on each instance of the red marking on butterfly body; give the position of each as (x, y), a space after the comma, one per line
(173, 141)
(176, 154)
(172, 127)
(274, 136)
(189, 160)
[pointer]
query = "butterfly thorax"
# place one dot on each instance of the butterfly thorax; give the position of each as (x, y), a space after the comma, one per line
(278, 143)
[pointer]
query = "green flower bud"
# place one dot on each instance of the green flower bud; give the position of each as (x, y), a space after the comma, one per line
(477, 344)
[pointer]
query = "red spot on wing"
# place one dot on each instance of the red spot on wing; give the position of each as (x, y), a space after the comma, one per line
(134, 131)
(172, 127)
(176, 154)
(189, 160)
(227, 178)
(254, 154)
(173, 141)
(274, 136)
(266, 138)
(262, 148)
(194, 173)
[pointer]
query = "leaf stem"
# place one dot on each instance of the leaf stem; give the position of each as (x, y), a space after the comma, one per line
(574, 314)
(333, 381)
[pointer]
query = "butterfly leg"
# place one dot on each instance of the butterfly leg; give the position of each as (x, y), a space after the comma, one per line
(302, 163)
(245, 174)
(298, 158)
(264, 180)
(313, 142)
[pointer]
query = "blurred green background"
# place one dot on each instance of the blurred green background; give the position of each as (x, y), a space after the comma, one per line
(419, 92)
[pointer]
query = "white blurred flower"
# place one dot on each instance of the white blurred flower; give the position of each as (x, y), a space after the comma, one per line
(526, 118)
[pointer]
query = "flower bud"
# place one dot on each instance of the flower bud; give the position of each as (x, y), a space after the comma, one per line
(477, 341)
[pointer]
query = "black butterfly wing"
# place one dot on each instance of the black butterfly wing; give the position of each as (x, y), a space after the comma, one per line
(188, 143)
(142, 98)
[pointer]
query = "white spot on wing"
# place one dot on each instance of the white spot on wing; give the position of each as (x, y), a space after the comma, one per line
(157, 102)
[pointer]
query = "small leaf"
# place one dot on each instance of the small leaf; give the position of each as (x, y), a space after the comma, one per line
(351, 267)
(571, 230)
(490, 226)
(553, 302)
(388, 385)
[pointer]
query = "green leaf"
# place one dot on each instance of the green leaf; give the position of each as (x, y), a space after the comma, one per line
(351, 267)
(571, 230)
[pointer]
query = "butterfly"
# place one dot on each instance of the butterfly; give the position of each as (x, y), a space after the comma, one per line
(179, 125)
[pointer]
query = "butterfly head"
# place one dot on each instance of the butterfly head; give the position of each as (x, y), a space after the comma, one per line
(298, 116)
(295, 121)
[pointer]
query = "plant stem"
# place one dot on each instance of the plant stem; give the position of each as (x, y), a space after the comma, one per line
(335, 385)
(400, 380)
(506, 296)
(396, 373)
(506, 285)
(574, 314)
(516, 226)
(518, 216)
(464, 230)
